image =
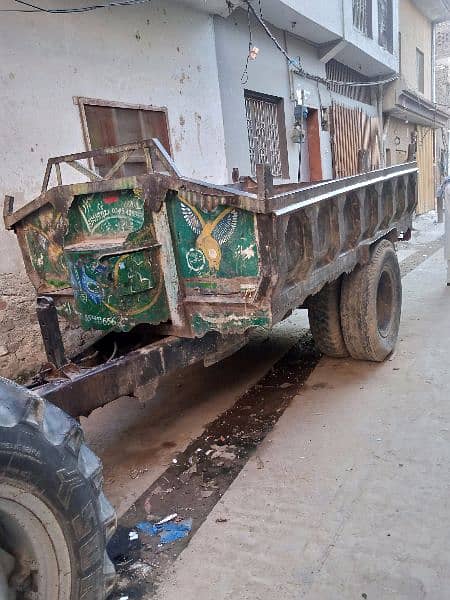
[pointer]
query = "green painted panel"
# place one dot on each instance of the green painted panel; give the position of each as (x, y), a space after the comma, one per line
(106, 249)
(219, 243)
(118, 291)
(104, 214)
(114, 262)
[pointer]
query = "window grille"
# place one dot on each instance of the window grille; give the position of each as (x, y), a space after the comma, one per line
(264, 133)
(362, 16)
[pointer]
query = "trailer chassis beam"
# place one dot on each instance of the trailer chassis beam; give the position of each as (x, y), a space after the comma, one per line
(136, 373)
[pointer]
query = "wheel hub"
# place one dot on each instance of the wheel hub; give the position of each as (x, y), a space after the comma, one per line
(40, 568)
(7, 564)
(385, 300)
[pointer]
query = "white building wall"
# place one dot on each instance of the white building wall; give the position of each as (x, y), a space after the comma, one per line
(327, 14)
(161, 54)
(268, 74)
(364, 53)
(331, 21)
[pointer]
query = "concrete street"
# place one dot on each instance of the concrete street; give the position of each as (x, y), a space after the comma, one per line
(347, 497)
(353, 499)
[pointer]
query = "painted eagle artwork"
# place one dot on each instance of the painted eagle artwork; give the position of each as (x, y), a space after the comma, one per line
(211, 234)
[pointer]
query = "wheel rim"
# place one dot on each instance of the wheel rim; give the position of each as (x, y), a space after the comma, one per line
(7, 563)
(32, 534)
(385, 302)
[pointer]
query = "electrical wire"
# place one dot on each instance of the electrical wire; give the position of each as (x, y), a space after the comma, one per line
(244, 76)
(260, 9)
(272, 37)
(300, 71)
(38, 9)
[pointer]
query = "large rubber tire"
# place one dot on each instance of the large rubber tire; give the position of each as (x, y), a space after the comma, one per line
(371, 301)
(52, 508)
(325, 320)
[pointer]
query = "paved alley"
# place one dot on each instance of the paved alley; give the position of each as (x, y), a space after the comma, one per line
(352, 500)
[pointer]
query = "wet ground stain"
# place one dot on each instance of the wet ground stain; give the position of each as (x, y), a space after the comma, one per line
(193, 484)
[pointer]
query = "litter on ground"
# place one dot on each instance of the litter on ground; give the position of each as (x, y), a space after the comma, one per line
(167, 519)
(168, 531)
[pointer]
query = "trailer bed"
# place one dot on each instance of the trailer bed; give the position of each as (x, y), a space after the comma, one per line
(191, 258)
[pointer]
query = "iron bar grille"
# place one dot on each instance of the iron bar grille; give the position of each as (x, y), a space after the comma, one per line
(337, 71)
(362, 15)
(385, 24)
(263, 134)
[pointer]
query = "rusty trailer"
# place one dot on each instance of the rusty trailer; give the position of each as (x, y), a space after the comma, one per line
(170, 271)
(200, 265)
(188, 257)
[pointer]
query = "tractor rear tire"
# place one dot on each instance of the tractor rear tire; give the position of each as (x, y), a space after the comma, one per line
(55, 521)
(371, 301)
(325, 320)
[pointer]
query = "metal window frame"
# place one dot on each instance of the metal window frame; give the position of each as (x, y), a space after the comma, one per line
(362, 19)
(278, 102)
(337, 71)
(389, 26)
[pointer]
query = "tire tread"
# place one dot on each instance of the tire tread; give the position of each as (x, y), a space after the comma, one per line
(18, 405)
(358, 302)
(325, 321)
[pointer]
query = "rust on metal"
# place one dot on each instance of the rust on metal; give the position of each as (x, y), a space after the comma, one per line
(189, 257)
(90, 388)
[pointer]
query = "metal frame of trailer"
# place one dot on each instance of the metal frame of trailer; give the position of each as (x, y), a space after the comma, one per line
(299, 238)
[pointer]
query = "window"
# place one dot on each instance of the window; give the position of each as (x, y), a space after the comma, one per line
(385, 32)
(111, 124)
(362, 16)
(266, 133)
(399, 53)
(420, 63)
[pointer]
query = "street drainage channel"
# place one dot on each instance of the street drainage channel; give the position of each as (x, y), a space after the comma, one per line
(159, 525)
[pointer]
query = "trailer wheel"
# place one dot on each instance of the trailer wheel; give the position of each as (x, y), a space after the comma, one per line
(371, 302)
(325, 320)
(54, 518)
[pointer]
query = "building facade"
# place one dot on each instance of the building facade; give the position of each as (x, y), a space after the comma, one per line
(350, 41)
(412, 119)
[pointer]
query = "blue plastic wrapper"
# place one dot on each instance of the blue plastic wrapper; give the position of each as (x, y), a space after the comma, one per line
(168, 532)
